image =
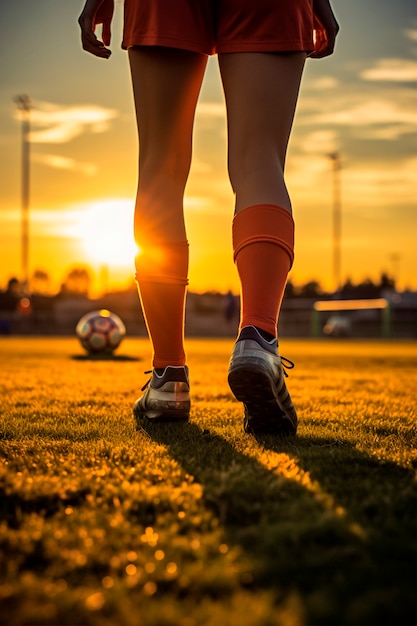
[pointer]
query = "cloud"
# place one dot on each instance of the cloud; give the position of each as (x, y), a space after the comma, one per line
(318, 142)
(382, 186)
(211, 109)
(381, 114)
(200, 167)
(371, 112)
(392, 70)
(65, 163)
(411, 33)
(52, 123)
(324, 82)
(197, 203)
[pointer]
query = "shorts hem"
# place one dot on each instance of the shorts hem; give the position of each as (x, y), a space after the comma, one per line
(265, 46)
(247, 46)
(169, 42)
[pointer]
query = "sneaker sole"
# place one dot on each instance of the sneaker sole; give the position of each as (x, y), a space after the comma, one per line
(169, 403)
(163, 414)
(263, 412)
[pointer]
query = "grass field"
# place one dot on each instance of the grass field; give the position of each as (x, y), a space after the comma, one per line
(200, 524)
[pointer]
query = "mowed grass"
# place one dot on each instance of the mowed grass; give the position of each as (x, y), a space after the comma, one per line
(200, 524)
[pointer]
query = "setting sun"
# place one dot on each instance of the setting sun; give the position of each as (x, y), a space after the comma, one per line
(106, 233)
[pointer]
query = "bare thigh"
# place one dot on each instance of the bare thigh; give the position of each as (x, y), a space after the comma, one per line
(261, 91)
(166, 84)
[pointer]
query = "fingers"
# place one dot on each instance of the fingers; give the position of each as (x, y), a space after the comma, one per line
(322, 49)
(89, 41)
(326, 29)
(323, 46)
(106, 34)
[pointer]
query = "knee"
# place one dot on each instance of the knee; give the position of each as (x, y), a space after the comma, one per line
(167, 166)
(159, 213)
(159, 202)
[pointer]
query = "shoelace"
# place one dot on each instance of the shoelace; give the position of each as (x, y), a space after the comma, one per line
(148, 381)
(286, 365)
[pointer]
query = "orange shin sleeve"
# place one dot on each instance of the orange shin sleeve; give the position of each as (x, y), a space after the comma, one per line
(161, 274)
(263, 246)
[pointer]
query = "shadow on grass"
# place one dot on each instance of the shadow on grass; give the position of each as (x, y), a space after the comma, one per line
(329, 522)
(104, 357)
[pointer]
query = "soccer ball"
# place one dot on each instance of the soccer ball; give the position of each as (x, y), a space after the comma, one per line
(100, 331)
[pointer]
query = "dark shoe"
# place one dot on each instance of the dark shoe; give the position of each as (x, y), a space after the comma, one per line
(256, 378)
(166, 397)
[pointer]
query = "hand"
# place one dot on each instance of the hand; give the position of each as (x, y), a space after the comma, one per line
(96, 12)
(325, 29)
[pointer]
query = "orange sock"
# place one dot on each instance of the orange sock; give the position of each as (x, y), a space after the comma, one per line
(263, 246)
(161, 274)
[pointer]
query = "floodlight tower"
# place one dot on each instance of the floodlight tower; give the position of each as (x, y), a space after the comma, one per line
(337, 220)
(395, 260)
(24, 105)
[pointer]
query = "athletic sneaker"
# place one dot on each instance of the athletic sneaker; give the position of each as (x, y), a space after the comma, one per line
(166, 397)
(256, 377)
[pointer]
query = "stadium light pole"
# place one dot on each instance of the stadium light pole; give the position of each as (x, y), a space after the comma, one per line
(395, 260)
(24, 105)
(337, 220)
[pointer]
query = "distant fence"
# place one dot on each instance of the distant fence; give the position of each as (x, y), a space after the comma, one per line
(208, 316)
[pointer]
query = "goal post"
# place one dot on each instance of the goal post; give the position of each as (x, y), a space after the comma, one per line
(352, 305)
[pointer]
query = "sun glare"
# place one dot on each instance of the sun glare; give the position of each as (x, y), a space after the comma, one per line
(106, 232)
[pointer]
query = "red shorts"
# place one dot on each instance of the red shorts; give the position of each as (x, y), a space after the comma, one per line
(216, 26)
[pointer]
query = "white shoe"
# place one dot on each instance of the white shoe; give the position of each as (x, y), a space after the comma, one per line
(166, 397)
(256, 378)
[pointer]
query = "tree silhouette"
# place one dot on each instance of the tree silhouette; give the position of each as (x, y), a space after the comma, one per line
(77, 282)
(40, 282)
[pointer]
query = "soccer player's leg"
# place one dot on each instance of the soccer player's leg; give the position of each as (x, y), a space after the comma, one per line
(166, 84)
(260, 115)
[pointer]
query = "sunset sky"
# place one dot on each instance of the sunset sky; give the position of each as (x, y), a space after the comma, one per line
(361, 102)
